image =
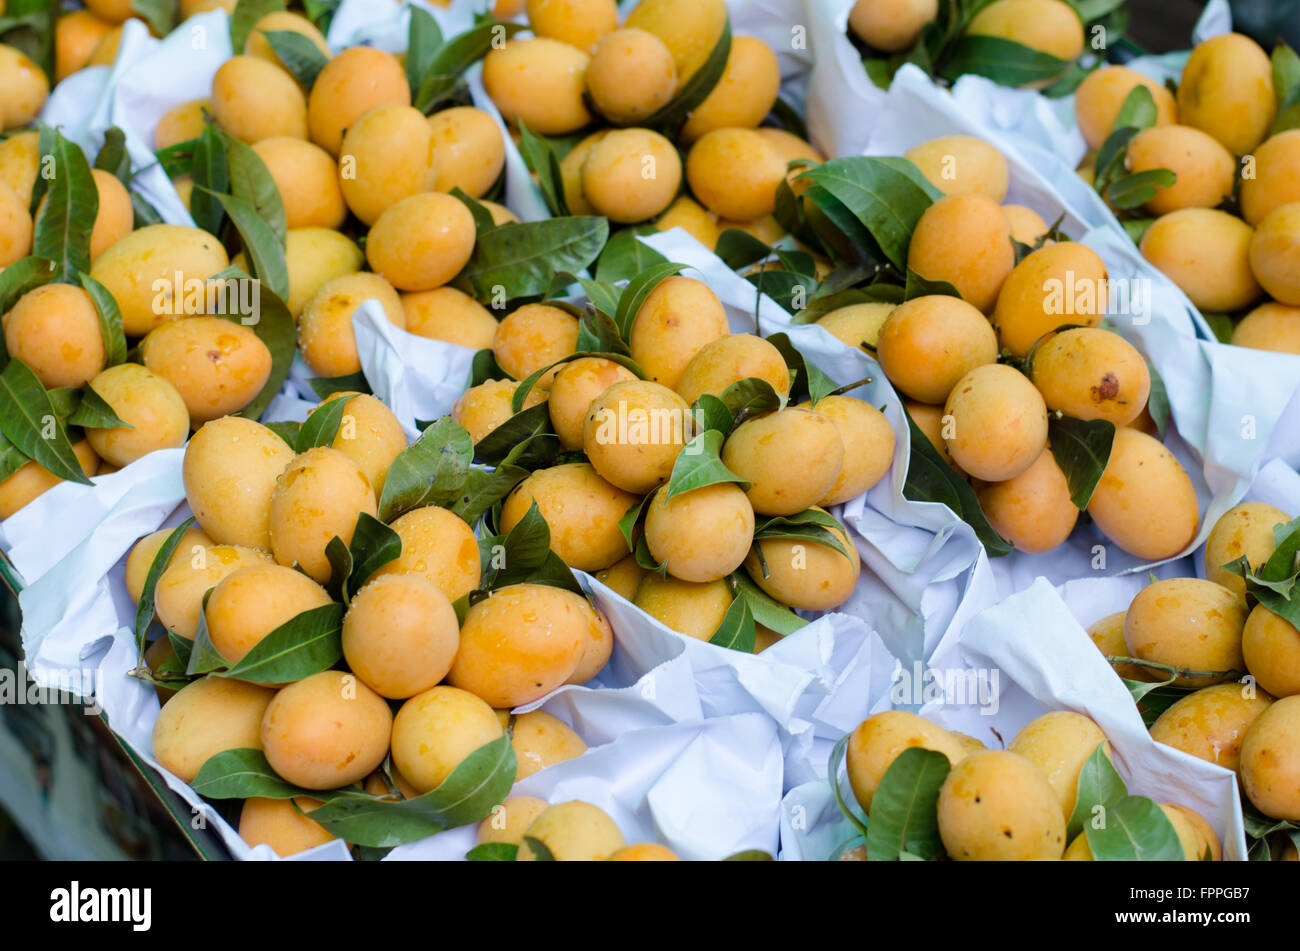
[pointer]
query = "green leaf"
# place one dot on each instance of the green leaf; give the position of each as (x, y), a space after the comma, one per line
(23, 276)
(1221, 325)
(464, 49)
(526, 547)
(520, 395)
(540, 158)
(918, 286)
(304, 645)
(326, 386)
(833, 765)
(597, 332)
(886, 195)
(747, 398)
(931, 479)
(810, 525)
(1004, 61)
(520, 257)
(110, 320)
(28, 420)
(767, 611)
(484, 488)
(636, 292)
(242, 774)
(178, 159)
(697, 87)
(204, 656)
(373, 545)
(265, 253)
(286, 429)
(710, 412)
(251, 182)
(113, 157)
(1138, 111)
(93, 410)
(809, 379)
(322, 425)
(532, 426)
(432, 470)
(159, 14)
(1082, 449)
(699, 464)
(750, 855)
(211, 177)
(1158, 400)
(625, 257)
(66, 219)
(274, 326)
(1136, 829)
(1134, 191)
(737, 628)
(482, 217)
(144, 611)
(245, 17)
(493, 852)
(540, 850)
(904, 808)
(631, 518)
(1286, 78)
(739, 249)
(1099, 784)
(423, 38)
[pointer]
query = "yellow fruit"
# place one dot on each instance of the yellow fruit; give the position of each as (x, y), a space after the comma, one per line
(520, 643)
(893, 25)
(868, 446)
(1211, 723)
(439, 546)
(351, 84)
(1270, 326)
(207, 717)
(966, 241)
(687, 607)
(1276, 178)
(579, 23)
(277, 823)
(807, 576)
(421, 242)
(181, 123)
(1275, 253)
(33, 480)
(370, 435)
(387, 155)
(532, 337)
(325, 335)
(744, 94)
(217, 366)
(230, 468)
(26, 88)
(577, 383)
(1187, 622)
(633, 432)
(248, 604)
(76, 35)
(468, 150)
(1205, 169)
(730, 359)
(1270, 646)
(1101, 95)
(998, 806)
(857, 325)
(573, 832)
(253, 100)
(539, 82)
(735, 173)
(1091, 373)
(879, 739)
(701, 535)
(962, 165)
(259, 45)
(1145, 501)
(326, 731)
(483, 408)
(143, 552)
(929, 343)
(1059, 743)
(307, 179)
(689, 28)
(999, 422)
(509, 820)
(631, 175)
(146, 403)
(447, 314)
(1064, 283)
(400, 635)
(1032, 510)
(1270, 761)
(1244, 530)
(1049, 26)
(631, 75)
(581, 510)
(790, 458)
(541, 740)
(1227, 90)
(54, 330)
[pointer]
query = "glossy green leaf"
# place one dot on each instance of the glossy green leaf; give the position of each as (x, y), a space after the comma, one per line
(304, 645)
(904, 808)
(737, 628)
(144, 612)
(519, 258)
(110, 320)
(430, 471)
(1081, 449)
(321, 427)
(28, 420)
(67, 217)
(699, 464)
(1099, 784)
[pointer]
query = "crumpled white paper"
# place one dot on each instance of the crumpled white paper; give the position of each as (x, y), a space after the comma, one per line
(1035, 657)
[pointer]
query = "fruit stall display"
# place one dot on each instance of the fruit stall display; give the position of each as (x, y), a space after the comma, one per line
(677, 429)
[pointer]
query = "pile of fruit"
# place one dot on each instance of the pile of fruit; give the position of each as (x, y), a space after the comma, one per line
(344, 615)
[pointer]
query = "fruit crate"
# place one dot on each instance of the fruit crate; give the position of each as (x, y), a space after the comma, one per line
(135, 810)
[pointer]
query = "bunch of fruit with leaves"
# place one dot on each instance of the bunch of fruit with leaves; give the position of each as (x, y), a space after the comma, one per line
(87, 388)
(1214, 665)
(688, 467)
(1025, 409)
(1205, 177)
(1039, 44)
(614, 121)
(925, 793)
(334, 575)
